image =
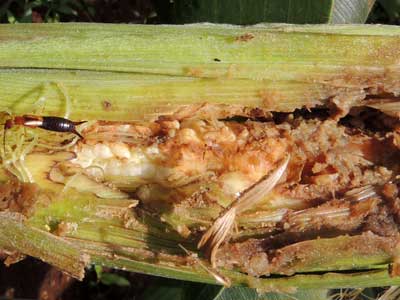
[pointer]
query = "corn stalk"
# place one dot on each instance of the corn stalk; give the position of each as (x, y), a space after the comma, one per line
(113, 199)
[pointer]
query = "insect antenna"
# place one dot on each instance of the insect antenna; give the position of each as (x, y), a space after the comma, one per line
(7, 124)
(67, 99)
(4, 140)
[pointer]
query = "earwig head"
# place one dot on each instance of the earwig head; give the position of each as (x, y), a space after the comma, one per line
(19, 120)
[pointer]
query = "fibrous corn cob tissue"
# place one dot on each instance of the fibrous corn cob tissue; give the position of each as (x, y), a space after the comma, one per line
(260, 151)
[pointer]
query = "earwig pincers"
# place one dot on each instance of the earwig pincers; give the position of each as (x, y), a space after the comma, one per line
(49, 123)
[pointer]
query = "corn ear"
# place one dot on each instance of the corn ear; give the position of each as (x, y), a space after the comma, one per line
(139, 86)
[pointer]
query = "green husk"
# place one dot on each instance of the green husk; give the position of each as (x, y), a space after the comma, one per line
(276, 67)
(127, 73)
(261, 52)
(131, 96)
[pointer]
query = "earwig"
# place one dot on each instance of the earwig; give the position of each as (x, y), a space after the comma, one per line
(56, 124)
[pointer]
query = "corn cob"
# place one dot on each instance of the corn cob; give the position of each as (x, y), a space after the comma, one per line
(286, 143)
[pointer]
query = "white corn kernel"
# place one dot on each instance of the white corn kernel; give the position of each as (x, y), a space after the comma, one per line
(132, 169)
(188, 136)
(152, 150)
(102, 151)
(113, 167)
(121, 150)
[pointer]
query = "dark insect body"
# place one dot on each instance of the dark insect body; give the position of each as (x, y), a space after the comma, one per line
(56, 124)
(60, 125)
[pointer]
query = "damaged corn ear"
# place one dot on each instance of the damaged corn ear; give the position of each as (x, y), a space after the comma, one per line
(275, 150)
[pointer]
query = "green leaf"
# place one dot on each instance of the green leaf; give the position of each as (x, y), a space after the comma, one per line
(275, 11)
(27, 17)
(34, 4)
(392, 8)
(4, 8)
(99, 271)
(242, 293)
(238, 293)
(114, 279)
(350, 11)
(66, 10)
(10, 17)
(165, 289)
(110, 278)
